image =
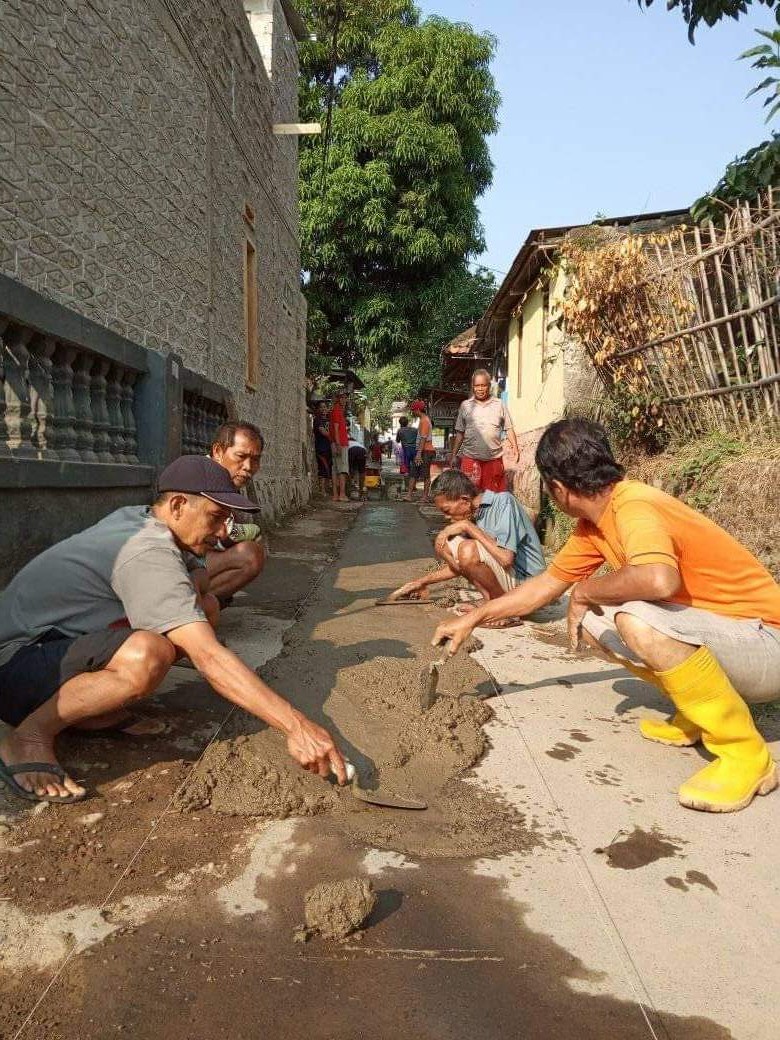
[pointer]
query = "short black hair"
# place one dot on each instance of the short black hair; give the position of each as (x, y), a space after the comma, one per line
(404, 420)
(577, 453)
(452, 485)
(225, 435)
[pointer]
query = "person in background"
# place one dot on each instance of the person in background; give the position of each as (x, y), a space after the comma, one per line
(357, 467)
(240, 556)
(376, 450)
(479, 428)
(490, 540)
(323, 451)
(684, 606)
(339, 443)
(407, 439)
(425, 451)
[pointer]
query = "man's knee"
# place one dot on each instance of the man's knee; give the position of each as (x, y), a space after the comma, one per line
(468, 553)
(251, 558)
(144, 658)
(639, 636)
(201, 580)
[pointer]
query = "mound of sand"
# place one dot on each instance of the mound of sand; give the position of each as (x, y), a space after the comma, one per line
(335, 909)
(396, 747)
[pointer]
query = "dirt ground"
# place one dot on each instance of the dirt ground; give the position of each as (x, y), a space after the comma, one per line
(166, 904)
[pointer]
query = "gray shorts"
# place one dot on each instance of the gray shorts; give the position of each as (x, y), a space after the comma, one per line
(748, 651)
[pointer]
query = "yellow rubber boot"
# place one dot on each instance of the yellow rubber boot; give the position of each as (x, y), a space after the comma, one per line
(743, 766)
(676, 731)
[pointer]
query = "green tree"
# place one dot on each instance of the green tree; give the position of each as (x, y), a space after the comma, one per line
(711, 11)
(448, 307)
(759, 168)
(388, 194)
(383, 385)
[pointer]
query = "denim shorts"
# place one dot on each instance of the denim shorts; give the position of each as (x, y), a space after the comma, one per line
(38, 670)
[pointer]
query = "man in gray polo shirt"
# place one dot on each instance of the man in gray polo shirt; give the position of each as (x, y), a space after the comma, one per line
(96, 621)
(480, 426)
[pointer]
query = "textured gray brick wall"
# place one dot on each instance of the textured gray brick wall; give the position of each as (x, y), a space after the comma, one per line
(132, 133)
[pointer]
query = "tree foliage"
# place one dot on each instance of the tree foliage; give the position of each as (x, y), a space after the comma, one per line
(712, 11)
(388, 193)
(743, 180)
(759, 168)
(448, 306)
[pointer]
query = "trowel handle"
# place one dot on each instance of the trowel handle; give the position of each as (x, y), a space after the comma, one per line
(349, 769)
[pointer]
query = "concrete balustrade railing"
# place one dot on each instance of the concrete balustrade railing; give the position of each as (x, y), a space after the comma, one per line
(60, 402)
(83, 406)
(200, 420)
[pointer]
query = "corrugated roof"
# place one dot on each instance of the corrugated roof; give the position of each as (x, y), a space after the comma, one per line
(535, 251)
(462, 343)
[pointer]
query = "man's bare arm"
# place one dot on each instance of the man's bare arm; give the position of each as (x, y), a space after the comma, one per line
(648, 582)
(511, 436)
(455, 447)
(309, 744)
(504, 556)
(532, 594)
(418, 584)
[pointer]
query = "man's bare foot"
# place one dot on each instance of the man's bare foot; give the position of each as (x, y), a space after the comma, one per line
(16, 749)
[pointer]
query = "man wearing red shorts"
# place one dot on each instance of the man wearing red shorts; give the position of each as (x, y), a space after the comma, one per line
(478, 428)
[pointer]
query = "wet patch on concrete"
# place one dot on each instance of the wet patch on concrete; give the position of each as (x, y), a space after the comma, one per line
(607, 776)
(692, 877)
(449, 955)
(639, 848)
(562, 752)
(577, 734)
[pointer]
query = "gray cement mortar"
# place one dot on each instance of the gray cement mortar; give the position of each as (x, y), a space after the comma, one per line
(356, 669)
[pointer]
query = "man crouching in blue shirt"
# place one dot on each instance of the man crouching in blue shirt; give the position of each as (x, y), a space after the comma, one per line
(490, 540)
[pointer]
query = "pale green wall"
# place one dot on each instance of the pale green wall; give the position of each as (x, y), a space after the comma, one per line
(536, 386)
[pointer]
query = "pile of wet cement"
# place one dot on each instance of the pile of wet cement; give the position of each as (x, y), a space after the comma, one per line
(377, 703)
(335, 909)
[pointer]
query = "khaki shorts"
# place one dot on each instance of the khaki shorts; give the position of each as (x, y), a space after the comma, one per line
(340, 459)
(506, 579)
(748, 651)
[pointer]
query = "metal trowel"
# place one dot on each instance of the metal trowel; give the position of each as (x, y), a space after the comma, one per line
(390, 801)
(429, 681)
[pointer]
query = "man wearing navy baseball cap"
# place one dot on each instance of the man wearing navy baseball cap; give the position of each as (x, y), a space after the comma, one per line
(95, 622)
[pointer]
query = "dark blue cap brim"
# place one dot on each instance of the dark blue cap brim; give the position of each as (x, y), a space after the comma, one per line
(230, 501)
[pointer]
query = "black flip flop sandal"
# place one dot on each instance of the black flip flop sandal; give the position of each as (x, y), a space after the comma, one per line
(7, 774)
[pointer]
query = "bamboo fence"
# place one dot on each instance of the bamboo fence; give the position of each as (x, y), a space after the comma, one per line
(717, 364)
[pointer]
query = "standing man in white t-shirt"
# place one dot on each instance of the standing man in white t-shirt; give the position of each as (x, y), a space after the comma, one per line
(481, 421)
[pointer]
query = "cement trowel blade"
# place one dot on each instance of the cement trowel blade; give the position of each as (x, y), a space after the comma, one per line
(429, 682)
(390, 801)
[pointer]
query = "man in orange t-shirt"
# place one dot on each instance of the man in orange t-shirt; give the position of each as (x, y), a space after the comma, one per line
(684, 606)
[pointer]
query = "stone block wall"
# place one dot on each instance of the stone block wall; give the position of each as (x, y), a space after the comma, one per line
(133, 135)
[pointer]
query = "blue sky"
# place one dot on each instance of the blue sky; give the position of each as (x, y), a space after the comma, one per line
(606, 108)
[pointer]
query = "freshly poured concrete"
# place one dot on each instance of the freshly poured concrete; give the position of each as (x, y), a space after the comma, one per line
(533, 936)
